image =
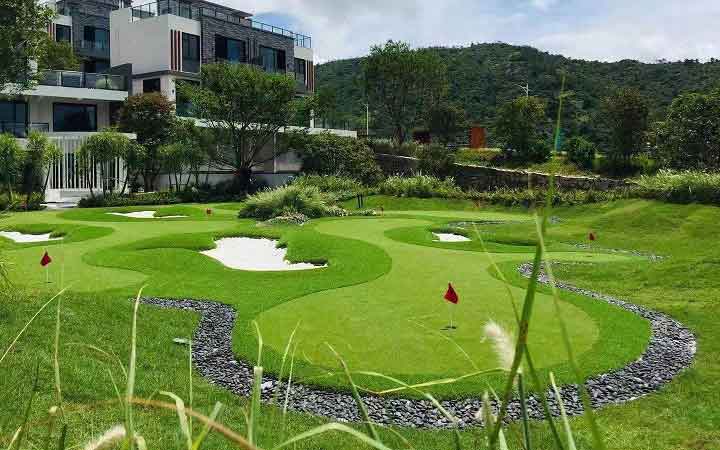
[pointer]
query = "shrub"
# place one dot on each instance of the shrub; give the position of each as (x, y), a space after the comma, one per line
(290, 219)
(114, 199)
(436, 160)
(421, 186)
(327, 154)
(340, 188)
(287, 200)
(409, 148)
(382, 146)
(680, 187)
(580, 152)
(529, 197)
(17, 202)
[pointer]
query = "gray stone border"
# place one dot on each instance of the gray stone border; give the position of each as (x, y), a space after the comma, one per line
(671, 349)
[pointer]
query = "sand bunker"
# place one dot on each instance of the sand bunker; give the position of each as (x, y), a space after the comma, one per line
(23, 238)
(254, 255)
(450, 237)
(144, 215)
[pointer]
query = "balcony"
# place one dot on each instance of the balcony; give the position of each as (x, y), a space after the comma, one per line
(21, 129)
(64, 78)
(163, 7)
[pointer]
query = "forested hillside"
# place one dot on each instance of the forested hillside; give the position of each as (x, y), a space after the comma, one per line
(484, 76)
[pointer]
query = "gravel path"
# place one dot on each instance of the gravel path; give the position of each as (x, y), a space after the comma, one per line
(671, 349)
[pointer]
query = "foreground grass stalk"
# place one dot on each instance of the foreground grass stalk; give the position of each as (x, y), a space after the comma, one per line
(563, 414)
(523, 408)
(130, 388)
(22, 431)
(56, 360)
(540, 388)
(356, 395)
(524, 327)
(27, 325)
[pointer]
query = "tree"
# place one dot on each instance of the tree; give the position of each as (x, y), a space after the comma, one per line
(328, 154)
(98, 152)
(626, 115)
(58, 56)
(133, 159)
(245, 108)
(152, 118)
(520, 127)
(12, 156)
(23, 38)
(580, 152)
(436, 160)
(690, 136)
(401, 83)
(445, 121)
(40, 154)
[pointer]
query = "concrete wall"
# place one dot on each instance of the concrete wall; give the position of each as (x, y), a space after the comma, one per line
(145, 43)
(489, 178)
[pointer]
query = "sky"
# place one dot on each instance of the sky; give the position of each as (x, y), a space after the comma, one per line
(604, 30)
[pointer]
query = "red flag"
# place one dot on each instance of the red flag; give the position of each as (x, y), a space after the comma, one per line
(451, 295)
(592, 237)
(208, 212)
(46, 259)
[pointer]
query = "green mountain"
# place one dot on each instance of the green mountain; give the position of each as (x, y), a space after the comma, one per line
(484, 76)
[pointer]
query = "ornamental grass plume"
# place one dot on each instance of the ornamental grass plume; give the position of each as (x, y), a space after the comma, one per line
(109, 439)
(502, 344)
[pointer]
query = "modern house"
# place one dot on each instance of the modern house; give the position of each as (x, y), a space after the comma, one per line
(129, 49)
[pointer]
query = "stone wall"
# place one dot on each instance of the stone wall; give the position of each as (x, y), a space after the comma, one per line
(489, 178)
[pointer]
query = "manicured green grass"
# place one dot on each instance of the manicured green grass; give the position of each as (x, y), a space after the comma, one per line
(376, 271)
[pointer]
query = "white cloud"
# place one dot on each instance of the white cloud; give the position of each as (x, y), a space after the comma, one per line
(603, 29)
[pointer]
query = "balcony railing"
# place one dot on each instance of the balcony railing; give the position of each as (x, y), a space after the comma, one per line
(95, 45)
(162, 7)
(21, 129)
(67, 78)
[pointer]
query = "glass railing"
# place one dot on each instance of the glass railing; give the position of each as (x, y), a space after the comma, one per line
(66, 78)
(163, 7)
(95, 45)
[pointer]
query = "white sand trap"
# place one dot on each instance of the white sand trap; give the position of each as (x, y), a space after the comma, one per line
(23, 238)
(450, 237)
(254, 255)
(144, 215)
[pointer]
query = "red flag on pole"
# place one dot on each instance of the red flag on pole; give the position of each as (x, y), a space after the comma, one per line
(451, 295)
(46, 259)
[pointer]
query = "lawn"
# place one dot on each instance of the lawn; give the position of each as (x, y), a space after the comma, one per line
(379, 303)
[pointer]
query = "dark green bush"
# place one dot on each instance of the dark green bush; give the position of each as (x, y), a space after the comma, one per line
(113, 199)
(327, 154)
(421, 186)
(288, 201)
(382, 146)
(680, 187)
(530, 197)
(17, 202)
(580, 152)
(436, 160)
(340, 188)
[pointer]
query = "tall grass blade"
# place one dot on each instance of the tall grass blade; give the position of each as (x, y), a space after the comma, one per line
(563, 414)
(26, 416)
(524, 411)
(356, 395)
(255, 405)
(130, 388)
(276, 395)
(206, 428)
(190, 380)
(182, 418)
(27, 325)
(56, 359)
(362, 437)
(540, 388)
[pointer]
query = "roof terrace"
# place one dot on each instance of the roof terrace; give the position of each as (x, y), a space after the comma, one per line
(195, 12)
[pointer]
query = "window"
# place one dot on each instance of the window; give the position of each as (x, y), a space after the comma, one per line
(13, 118)
(63, 33)
(231, 50)
(272, 59)
(74, 117)
(96, 66)
(151, 85)
(190, 53)
(96, 38)
(300, 70)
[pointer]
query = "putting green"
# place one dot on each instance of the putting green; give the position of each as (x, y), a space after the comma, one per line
(378, 303)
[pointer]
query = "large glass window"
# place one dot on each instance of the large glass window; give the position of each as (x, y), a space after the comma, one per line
(13, 118)
(151, 85)
(74, 117)
(63, 33)
(231, 50)
(96, 38)
(272, 59)
(191, 53)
